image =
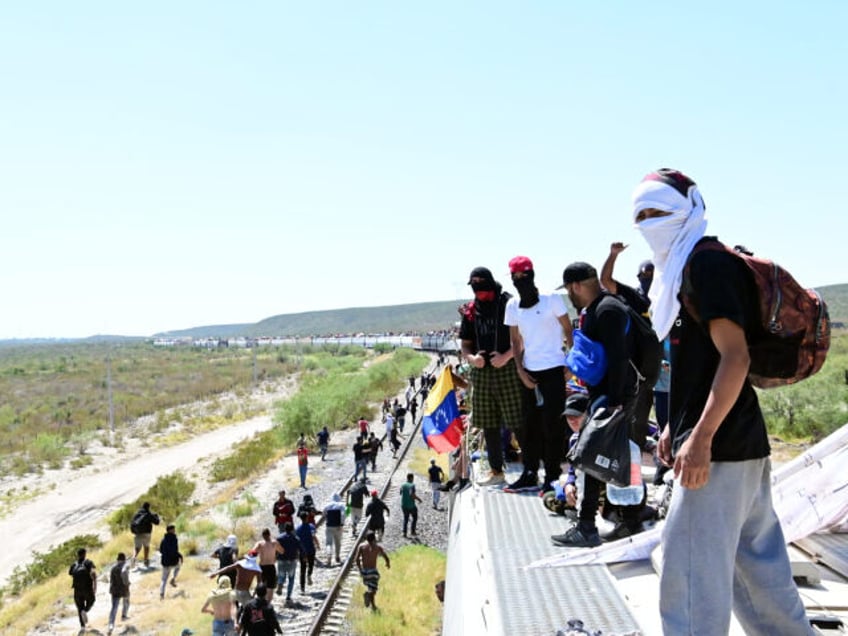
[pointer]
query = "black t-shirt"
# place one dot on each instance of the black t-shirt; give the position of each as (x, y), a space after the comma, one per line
(259, 619)
(435, 474)
(633, 297)
(375, 510)
(722, 287)
(357, 495)
(605, 321)
(486, 329)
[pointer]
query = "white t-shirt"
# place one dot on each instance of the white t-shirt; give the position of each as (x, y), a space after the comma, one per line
(390, 424)
(540, 329)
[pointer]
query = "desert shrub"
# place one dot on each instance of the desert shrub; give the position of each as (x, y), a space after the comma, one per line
(168, 497)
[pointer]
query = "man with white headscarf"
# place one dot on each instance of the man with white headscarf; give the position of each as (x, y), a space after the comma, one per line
(723, 548)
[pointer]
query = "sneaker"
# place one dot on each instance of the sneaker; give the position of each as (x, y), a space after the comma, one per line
(309, 580)
(280, 590)
(110, 628)
(620, 531)
(493, 478)
(173, 583)
(84, 617)
(574, 537)
(528, 481)
(147, 563)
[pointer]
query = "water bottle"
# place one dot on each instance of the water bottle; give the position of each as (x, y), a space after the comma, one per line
(629, 495)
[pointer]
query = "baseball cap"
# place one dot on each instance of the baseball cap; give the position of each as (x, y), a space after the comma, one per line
(373, 493)
(576, 404)
(577, 272)
(520, 264)
(480, 272)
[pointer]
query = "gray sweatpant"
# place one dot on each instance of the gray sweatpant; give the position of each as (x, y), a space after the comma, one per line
(723, 549)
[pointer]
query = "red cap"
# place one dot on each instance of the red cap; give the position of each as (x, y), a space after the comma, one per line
(520, 264)
(252, 553)
(373, 493)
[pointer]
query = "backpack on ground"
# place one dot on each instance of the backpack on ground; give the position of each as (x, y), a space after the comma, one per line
(137, 521)
(647, 349)
(795, 336)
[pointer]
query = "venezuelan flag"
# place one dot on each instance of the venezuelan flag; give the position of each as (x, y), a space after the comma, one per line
(441, 424)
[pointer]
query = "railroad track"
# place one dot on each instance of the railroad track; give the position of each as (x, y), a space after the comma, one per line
(323, 609)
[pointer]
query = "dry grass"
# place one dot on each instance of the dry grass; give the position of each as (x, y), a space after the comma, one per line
(406, 598)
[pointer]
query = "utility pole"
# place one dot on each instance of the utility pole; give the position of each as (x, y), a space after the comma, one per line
(254, 366)
(111, 402)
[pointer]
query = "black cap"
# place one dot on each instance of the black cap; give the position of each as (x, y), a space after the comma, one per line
(481, 272)
(577, 272)
(576, 404)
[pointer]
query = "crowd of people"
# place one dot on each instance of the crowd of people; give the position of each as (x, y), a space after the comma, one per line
(528, 371)
(247, 583)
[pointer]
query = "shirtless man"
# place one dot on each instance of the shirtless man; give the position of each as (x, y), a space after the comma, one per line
(366, 561)
(221, 600)
(267, 551)
(247, 569)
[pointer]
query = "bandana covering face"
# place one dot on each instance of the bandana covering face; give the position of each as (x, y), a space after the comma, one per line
(671, 238)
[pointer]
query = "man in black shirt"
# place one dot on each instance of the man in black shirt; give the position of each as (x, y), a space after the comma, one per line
(258, 617)
(496, 388)
(723, 547)
(603, 319)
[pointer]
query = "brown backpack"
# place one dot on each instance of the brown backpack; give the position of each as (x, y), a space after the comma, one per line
(795, 336)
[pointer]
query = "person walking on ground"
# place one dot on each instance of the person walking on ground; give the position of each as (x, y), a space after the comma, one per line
(539, 329)
(376, 446)
(375, 511)
(359, 460)
(408, 499)
(413, 409)
(716, 438)
(169, 548)
(220, 604)
(84, 582)
(496, 398)
(323, 441)
(302, 462)
(400, 416)
(283, 511)
(356, 500)
(142, 528)
(394, 442)
(308, 547)
(366, 561)
(267, 550)
(334, 514)
(436, 475)
(308, 507)
(119, 589)
(363, 426)
(258, 618)
(227, 555)
(287, 561)
(247, 570)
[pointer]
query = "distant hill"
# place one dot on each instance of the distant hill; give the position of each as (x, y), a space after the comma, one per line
(418, 317)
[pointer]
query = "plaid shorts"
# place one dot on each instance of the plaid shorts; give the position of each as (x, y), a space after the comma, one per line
(496, 397)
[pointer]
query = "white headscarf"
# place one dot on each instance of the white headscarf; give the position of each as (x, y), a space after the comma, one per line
(232, 541)
(671, 238)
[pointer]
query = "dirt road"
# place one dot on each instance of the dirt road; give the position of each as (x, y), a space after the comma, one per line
(80, 502)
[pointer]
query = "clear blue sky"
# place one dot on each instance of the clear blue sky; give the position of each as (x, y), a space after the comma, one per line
(165, 165)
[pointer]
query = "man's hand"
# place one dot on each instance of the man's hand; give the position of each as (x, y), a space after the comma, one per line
(664, 447)
(692, 464)
(617, 248)
(526, 380)
(498, 360)
(477, 360)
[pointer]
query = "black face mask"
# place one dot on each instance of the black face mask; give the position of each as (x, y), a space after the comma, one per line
(527, 292)
(485, 285)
